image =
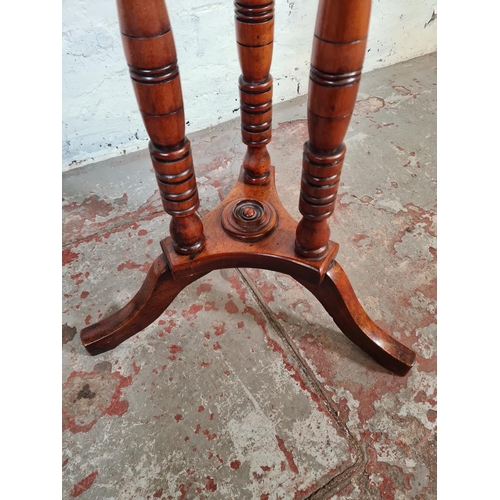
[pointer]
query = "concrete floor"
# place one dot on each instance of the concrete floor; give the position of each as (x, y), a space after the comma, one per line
(245, 388)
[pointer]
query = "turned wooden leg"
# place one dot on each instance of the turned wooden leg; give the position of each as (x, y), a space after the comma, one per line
(149, 48)
(337, 59)
(338, 298)
(254, 23)
(155, 295)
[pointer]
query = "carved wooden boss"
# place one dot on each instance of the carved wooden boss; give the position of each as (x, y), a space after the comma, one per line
(250, 228)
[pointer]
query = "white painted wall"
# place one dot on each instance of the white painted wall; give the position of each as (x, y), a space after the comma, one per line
(100, 115)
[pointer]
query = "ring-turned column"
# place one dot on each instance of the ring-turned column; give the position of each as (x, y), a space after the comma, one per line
(149, 48)
(254, 23)
(336, 63)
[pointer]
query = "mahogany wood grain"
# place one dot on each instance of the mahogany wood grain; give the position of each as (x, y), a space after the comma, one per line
(250, 228)
(336, 63)
(149, 48)
(155, 295)
(275, 251)
(338, 298)
(254, 24)
(323, 277)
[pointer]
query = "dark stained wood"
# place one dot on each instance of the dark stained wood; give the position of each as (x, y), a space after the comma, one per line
(250, 228)
(323, 277)
(149, 48)
(336, 63)
(155, 295)
(275, 251)
(254, 24)
(338, 298)
(249, 219)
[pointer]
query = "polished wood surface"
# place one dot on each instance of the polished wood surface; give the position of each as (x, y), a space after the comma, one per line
(338, 298)
(325, 278)
(336, 63)
(254, 23)
(250, 228)
(149, 47)
(155, 295)
(274, 251)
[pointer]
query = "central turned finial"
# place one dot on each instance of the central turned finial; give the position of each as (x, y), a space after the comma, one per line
(249, 219)
(248, 213)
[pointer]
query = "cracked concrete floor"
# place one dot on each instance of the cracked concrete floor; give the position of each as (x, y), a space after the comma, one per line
(244, 388)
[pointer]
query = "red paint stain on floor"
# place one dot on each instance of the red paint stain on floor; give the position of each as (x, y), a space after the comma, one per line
(282, 316)
(219, 329)
(83, 485)
(210, 484)
(192, 312)
(68, 256)
(175, 349)
(158, 494)
(316, 351)
(184, 489)
(288, 455)
(306, 492)
(168, 328)
(204, 287)
(178, 417)
(81, 225)
(103, 390)
(231, 307)
(266, 292)
(359, 237)
(117, 408)
(208, 435)
(201, 408)
(257, 316)
(133, 265)
(235, 464)
(237, 286)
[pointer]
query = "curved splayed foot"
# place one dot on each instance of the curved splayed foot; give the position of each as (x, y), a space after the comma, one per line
(275, 252)
(155, 295)
(335, 294)
(338, 298)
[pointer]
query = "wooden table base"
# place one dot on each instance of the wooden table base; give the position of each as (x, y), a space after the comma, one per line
(250, 228)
